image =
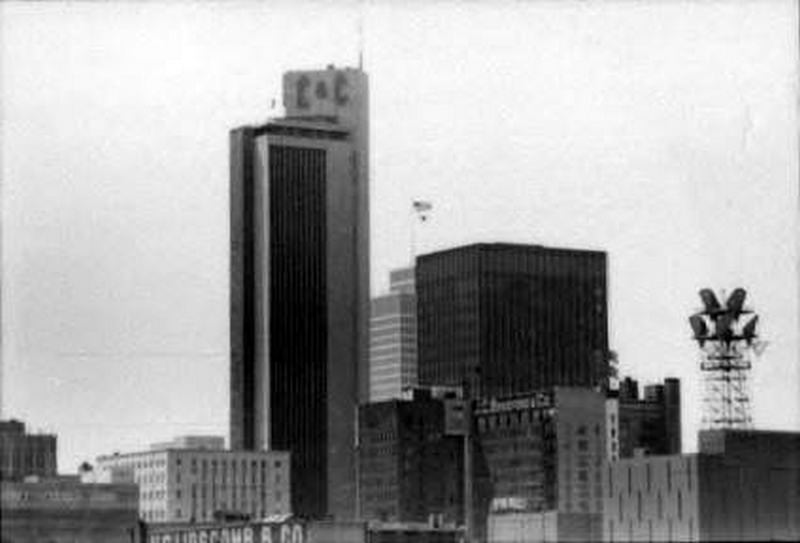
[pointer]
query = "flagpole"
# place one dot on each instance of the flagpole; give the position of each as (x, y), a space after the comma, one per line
(413, 247)
(420, 209)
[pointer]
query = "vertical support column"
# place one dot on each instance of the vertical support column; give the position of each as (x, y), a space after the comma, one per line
(469, 528)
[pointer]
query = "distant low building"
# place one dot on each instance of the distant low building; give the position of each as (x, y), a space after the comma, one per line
(191, 479)
(23, 454)
(652, 421)
(742, 485)
(64, 510)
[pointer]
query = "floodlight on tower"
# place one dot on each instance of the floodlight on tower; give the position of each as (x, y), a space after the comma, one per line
(727, 337)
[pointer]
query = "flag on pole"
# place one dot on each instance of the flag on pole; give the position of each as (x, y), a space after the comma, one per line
(422, 208)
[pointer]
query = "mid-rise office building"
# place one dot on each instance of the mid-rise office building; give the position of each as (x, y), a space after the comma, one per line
(23, 454)
(651, 422)
(299, 289)
(742, 485)
(393, 338)
(182, 482)
(542, 458)
(513, 319)
(411, 459)
(402, 280)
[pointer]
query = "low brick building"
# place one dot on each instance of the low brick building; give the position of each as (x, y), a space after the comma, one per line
(410, 461)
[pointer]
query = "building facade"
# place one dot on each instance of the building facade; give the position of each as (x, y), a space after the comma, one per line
(23, 454)
(299, 288)
(64, 510)
(180, 484)
(542, 458)
(651, 422)
(393, 338)
(742, 485)
(512, 319)
(652, 498)
(411, 459)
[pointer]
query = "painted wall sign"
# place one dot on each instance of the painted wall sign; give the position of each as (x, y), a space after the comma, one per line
(290, 532)
(323, 93)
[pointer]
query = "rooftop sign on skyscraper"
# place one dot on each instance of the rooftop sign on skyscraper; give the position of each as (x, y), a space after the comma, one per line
(329, 93)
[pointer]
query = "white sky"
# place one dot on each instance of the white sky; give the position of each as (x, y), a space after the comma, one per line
(662, 132)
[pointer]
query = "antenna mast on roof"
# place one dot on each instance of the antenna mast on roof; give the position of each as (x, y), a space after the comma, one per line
(361, 36)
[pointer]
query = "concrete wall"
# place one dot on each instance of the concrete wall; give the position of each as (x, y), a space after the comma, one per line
(651, 499)
(750, 485)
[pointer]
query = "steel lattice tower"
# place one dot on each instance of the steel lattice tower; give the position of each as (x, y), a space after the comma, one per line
(727, 344)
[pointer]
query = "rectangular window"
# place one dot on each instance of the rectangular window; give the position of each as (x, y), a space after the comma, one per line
(680, 506)
(648, 477)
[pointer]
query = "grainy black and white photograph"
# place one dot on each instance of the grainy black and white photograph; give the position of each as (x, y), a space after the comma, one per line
(374, 271)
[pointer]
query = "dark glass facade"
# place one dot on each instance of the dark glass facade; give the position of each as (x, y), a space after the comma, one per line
(512, 318)
(298, 317)
(293, 387)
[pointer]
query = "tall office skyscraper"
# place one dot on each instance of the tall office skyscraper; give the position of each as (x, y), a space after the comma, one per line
(512, 318)
(299, 289)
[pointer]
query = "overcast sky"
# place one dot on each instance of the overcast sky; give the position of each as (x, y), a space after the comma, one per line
(662, 132)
